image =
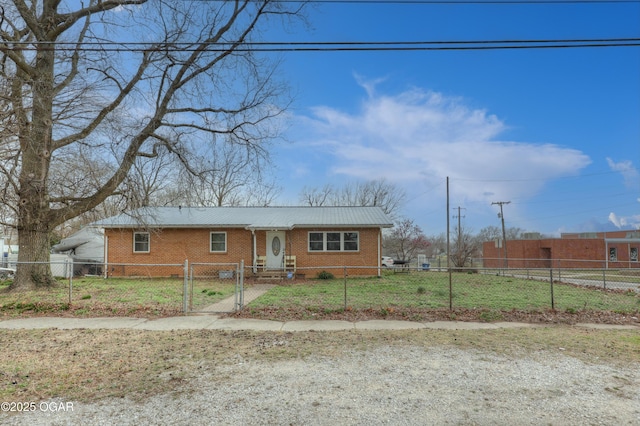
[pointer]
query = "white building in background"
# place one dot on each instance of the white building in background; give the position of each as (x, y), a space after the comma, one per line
(6, 250)
(85, 248)
(82, 253)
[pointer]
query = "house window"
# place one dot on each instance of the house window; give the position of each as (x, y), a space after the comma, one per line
(350, 241)
(613, 254)
(141, 242)
(633, 254)
(316, 241)
(218, 242)
(334, 241)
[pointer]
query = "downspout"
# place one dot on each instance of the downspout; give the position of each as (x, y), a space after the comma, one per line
(255, 253)
(380, 252)
(106, 255)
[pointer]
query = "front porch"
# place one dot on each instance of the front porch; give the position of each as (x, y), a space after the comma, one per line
(263, 272)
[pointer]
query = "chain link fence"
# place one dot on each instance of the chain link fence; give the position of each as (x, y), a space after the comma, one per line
(424, 288)
(174, 289)
(121, 289)
(214, 288)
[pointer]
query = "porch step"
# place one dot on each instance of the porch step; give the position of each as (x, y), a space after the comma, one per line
(271, 275)
(270, 279)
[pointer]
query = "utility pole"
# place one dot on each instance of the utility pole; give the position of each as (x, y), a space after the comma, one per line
(459, 239)
(504, 234)
(459, 224)
(449, 253)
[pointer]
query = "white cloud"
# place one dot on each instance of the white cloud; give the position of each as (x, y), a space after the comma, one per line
(368, 85)
(420, 137)
(625, 222)
(627, 170)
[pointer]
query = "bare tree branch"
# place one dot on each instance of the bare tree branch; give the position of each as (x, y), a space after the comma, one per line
(118, 110)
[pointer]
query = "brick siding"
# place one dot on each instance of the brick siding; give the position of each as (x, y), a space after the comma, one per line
(559, 253)
(174, 246)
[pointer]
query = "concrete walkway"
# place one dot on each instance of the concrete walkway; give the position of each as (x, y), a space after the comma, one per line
(214, 322)
(229, 304)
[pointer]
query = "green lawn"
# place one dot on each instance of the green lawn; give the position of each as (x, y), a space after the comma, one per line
(630, 276)
(91, 295)
(94, 296)
(431, 290)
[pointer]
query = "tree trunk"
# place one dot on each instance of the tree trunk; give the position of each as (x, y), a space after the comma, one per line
(34, 270)
(34, 211)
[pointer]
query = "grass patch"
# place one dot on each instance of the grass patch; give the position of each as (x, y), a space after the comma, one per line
(431, 291)
(113, 296)
(413, 293)
(491, 316)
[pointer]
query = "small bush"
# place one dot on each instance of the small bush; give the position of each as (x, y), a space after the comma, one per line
(324, 275)
(421, 290)
(86, 297)
(386, 311)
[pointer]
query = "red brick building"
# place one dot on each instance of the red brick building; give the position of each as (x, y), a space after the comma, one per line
(618, 249)
(271, 238)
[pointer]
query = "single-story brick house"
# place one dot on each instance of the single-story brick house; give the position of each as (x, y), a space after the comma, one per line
(265, 238)
(616, 249)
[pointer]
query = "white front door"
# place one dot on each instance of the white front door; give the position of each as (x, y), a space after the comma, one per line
(275, 249)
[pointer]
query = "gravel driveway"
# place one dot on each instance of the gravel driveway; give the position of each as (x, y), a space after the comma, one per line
(414, 386)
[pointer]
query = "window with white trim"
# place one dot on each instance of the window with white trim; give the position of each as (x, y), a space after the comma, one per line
(613, 254)
(633, 254)
(334, 241)
(218, 242)
(141, 242)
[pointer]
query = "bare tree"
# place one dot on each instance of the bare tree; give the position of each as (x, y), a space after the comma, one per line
(229, 174)
(263, 194)
(72, 77)
(406, 240)
(317, 197)
(464, 247)
(149, 179)
(492, 233)
(438, 245)
(371, 193)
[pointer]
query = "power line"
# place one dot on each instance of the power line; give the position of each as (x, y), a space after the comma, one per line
(451, 2)
(328, 46)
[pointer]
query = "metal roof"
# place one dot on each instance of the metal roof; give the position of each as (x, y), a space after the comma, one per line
(248, 217)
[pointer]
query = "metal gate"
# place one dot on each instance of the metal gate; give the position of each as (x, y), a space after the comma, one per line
(214, 288)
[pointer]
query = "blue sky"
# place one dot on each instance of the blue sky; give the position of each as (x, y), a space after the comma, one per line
(556, 132)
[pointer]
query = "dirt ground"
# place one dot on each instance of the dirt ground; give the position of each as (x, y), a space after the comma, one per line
(554, 374)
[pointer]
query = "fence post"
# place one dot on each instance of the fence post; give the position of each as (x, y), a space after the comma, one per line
(451, 286)
(604, 279)
(345, 288)
(185, 286)
(70, 272)
(559, 270)
(553, 302)
(240, 287)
